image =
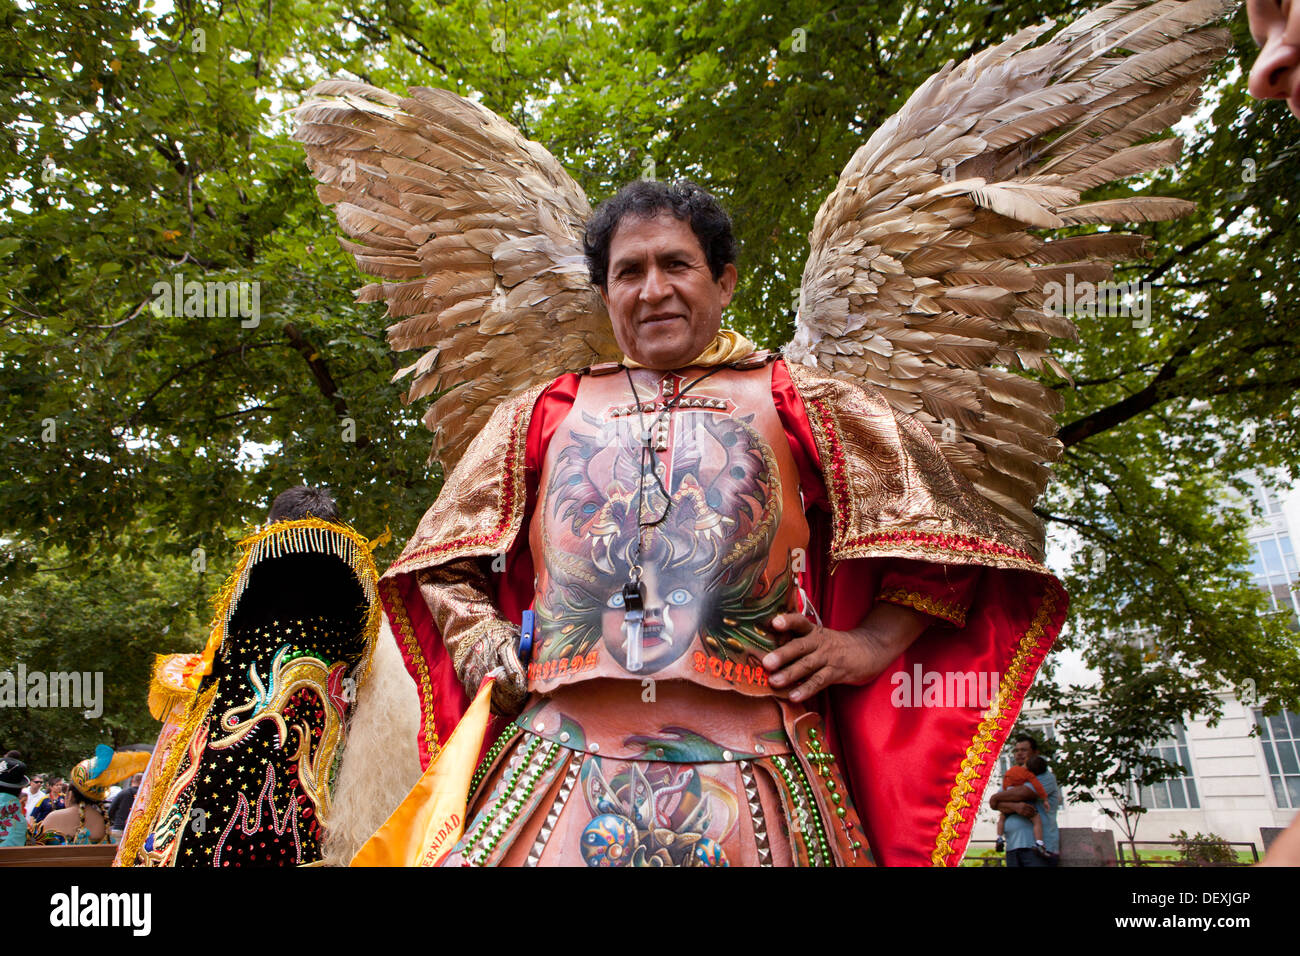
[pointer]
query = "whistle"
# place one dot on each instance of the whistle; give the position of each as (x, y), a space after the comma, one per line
(633, 618)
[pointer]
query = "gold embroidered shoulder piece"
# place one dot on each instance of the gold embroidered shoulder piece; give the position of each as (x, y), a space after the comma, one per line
(481, 506)
(892, 492)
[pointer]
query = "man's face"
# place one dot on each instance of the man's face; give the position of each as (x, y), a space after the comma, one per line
(1275, 25)
(663, 301)
(1021, 752)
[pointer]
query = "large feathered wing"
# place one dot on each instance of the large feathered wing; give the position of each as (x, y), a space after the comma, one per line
(476, 233)
(925, 278)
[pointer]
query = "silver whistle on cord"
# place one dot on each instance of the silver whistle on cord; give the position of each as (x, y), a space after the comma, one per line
(633, 619)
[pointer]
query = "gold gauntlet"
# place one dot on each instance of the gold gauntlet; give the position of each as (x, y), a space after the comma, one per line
(478, 639)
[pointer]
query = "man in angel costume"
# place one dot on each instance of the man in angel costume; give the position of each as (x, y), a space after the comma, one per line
(742, 604)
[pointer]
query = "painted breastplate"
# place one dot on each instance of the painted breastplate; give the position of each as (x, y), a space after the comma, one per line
(705, 471)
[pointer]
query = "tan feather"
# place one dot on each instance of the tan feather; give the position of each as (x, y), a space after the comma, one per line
(1109, 246)
(434, 189)
(1136, 209)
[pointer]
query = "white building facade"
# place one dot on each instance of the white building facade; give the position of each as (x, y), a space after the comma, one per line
(1237, 781)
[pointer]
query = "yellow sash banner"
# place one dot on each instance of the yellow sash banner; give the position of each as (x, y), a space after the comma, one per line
(430, 821)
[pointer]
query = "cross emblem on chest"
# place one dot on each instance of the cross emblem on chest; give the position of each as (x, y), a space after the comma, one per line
(667, 399)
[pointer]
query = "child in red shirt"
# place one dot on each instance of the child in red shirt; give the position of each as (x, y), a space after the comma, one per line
(1019, 776)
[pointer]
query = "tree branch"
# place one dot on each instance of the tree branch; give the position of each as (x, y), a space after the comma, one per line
(321, 373)
(215, 357)
(1196, 245)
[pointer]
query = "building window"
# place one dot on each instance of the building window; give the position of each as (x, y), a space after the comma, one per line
(1279, 735)
(1268, 500)
(1273, 569)
(1178, 793)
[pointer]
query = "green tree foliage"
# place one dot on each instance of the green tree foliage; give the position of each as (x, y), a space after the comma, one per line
(146, 144)
(105, 624)
(1203, 849)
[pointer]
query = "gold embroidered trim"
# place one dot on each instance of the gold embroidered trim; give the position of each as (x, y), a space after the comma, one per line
(296, 537)
(406, 634)
(956, 549)
(860, 443)
(509, 504)
(139, 828)
(997, 721)
(950, 612)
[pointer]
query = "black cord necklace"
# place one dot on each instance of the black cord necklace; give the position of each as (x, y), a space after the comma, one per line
(633, 592)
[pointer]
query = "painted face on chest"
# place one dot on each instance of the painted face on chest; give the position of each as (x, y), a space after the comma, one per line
(672, 613)
(689, 511)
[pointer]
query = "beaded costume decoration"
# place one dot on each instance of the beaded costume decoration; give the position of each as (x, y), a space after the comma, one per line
(248, 778)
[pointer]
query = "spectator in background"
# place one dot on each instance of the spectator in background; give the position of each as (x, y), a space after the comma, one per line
(13, 824)
(54, 800)
(119, 808)
(1028, 774)
(1021, 803)
(34, 794)
(1276, 73)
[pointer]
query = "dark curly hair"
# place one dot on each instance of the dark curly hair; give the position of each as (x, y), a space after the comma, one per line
(648, 198)
(304, 502)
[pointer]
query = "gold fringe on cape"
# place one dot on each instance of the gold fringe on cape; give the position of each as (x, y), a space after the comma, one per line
(297, 537)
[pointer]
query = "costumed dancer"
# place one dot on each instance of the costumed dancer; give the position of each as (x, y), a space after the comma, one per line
(86, 822)
(13, 822)
(243, 772)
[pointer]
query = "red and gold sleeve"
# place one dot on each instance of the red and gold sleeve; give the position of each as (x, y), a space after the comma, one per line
(943, 591)
(891, 519)
(476, 635)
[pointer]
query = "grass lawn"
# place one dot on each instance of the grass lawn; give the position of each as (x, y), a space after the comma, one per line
(1165, 856)
(977, 856)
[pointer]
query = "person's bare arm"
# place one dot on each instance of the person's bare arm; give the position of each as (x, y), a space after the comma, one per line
(1022, 794)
